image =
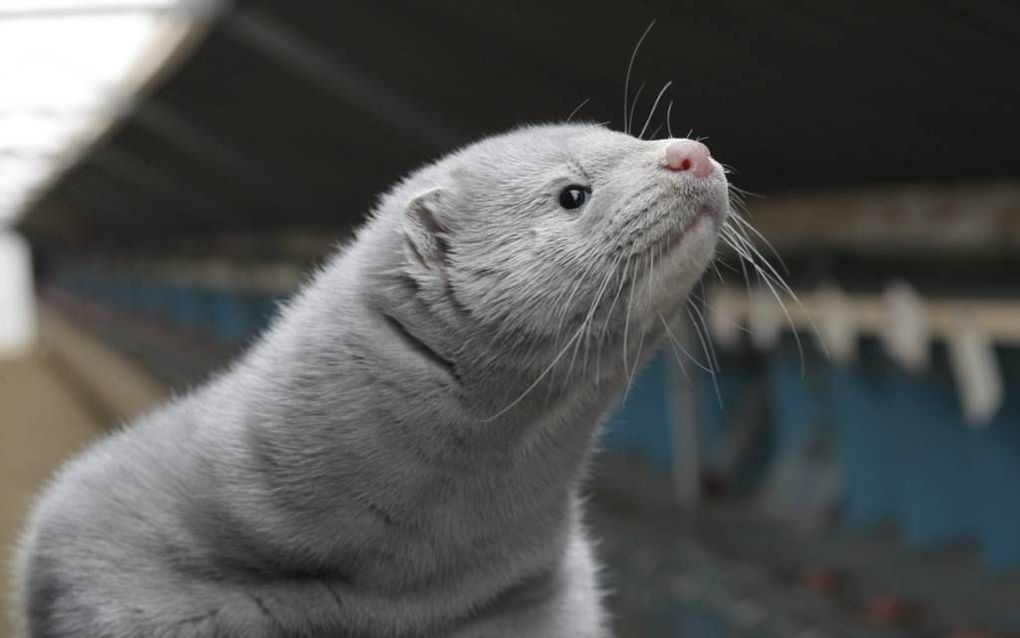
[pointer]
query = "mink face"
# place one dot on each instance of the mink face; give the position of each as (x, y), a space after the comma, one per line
(542, 228)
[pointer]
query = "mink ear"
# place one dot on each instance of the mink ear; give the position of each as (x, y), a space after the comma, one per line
(424, 229)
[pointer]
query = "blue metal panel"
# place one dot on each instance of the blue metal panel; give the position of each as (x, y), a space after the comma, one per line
(718, 412)
(640, 426)
(793, 400)
(866, 447)
(933, 455)
(997, 474)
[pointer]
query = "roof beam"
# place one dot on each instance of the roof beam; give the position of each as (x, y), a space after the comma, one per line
(340, 78)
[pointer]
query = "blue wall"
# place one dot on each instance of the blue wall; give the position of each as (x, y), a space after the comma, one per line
(903, 454)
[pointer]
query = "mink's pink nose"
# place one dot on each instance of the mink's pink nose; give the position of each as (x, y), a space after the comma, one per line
(688, 155)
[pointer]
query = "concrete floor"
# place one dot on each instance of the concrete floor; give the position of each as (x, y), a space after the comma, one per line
(52, 403)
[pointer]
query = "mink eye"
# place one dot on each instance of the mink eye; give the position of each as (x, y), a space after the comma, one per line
(574, 196)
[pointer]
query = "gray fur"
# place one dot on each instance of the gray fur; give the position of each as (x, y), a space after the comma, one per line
(401, 453)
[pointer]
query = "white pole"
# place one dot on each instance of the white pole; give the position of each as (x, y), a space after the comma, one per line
(17, 300)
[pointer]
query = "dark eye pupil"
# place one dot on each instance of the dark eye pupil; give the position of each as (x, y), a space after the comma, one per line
(573, 197)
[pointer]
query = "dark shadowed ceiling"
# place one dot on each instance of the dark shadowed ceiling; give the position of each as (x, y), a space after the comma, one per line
(295, 114)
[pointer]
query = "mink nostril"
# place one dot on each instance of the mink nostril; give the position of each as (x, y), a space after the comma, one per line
(688, 155)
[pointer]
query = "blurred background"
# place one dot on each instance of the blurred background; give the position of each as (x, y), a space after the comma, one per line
(846, 463)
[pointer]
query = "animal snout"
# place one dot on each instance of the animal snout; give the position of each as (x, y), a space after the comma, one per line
(689, 156)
